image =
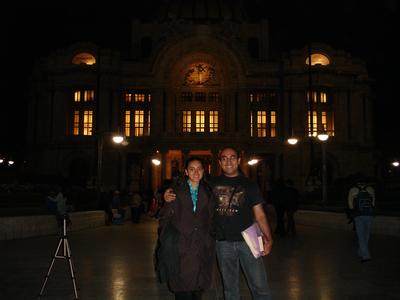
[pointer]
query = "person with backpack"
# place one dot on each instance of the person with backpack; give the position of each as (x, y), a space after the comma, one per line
(361, 201)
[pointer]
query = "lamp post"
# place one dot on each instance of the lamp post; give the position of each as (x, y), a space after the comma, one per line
(323, 137)
(117, 139)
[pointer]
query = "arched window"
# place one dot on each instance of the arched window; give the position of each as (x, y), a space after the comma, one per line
(318, 59)
(84, 58)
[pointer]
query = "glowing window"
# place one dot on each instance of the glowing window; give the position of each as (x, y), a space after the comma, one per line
(273, 124)
(77, 96)
(323, 97)
(148, 123)
(137, 113)
(313, 96)
(312, 130)
(251, 98)
(88, 95)
(128, 123)
(251, 124)
(200, 121)
(84, 58)
(87, 122)
(76, 122)
(261, 123)
(213, 121)
(317, 97)
(139, 122)
(140, 97)
(128, 97)
(323, 121)
(187, 121)
(83, 107)
(318, 59)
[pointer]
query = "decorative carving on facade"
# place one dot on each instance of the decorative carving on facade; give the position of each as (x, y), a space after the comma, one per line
(200, 74)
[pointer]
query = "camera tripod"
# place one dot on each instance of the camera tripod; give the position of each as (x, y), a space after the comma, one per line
(65, 255)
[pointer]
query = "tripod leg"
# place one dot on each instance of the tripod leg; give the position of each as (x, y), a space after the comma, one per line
(69, 259)
(51, 266)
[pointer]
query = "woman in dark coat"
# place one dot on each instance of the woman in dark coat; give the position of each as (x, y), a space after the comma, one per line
(191, 214)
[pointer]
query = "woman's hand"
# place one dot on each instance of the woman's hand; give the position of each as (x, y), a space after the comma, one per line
(169, 195)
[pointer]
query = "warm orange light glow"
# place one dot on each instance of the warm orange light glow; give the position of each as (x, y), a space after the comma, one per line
(318, 59)
(139, 97)
(84, 58)
(76, 122)
(128, 123)
(213, 121)
(88, 95)
(273, 124)
(87, 122)
(261, 123)
(139, 122)
(187, 121)
(200, 121)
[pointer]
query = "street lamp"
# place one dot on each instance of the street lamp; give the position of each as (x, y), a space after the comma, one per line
(117, 139)
(292, 140)
(253, 161)
(323, 137)
(156, 161)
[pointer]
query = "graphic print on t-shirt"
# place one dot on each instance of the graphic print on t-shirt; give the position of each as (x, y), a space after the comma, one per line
(230, 199)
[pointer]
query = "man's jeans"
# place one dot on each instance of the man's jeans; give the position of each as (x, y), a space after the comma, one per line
(230, 255)
(363, 229)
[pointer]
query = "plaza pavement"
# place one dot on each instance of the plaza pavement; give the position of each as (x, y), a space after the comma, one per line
(115, 263)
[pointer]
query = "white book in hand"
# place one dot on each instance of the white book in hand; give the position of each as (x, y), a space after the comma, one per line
(253, 238)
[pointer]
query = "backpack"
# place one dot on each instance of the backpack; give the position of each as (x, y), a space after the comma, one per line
(363, 203)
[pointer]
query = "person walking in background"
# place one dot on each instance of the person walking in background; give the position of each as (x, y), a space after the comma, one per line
(191, 214)
(239, 204)
(291, 201)
(361, 202)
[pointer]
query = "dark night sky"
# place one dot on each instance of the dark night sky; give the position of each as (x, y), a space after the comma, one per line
(367, 31)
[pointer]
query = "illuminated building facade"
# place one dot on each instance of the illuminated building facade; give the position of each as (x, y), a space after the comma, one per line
(195, 81)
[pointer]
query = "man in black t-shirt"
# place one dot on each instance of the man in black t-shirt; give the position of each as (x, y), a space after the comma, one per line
(239, 205)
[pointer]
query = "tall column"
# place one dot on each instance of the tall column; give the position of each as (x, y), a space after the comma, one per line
(242, 113)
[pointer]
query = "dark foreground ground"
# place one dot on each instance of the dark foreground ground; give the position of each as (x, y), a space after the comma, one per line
(115, 262)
